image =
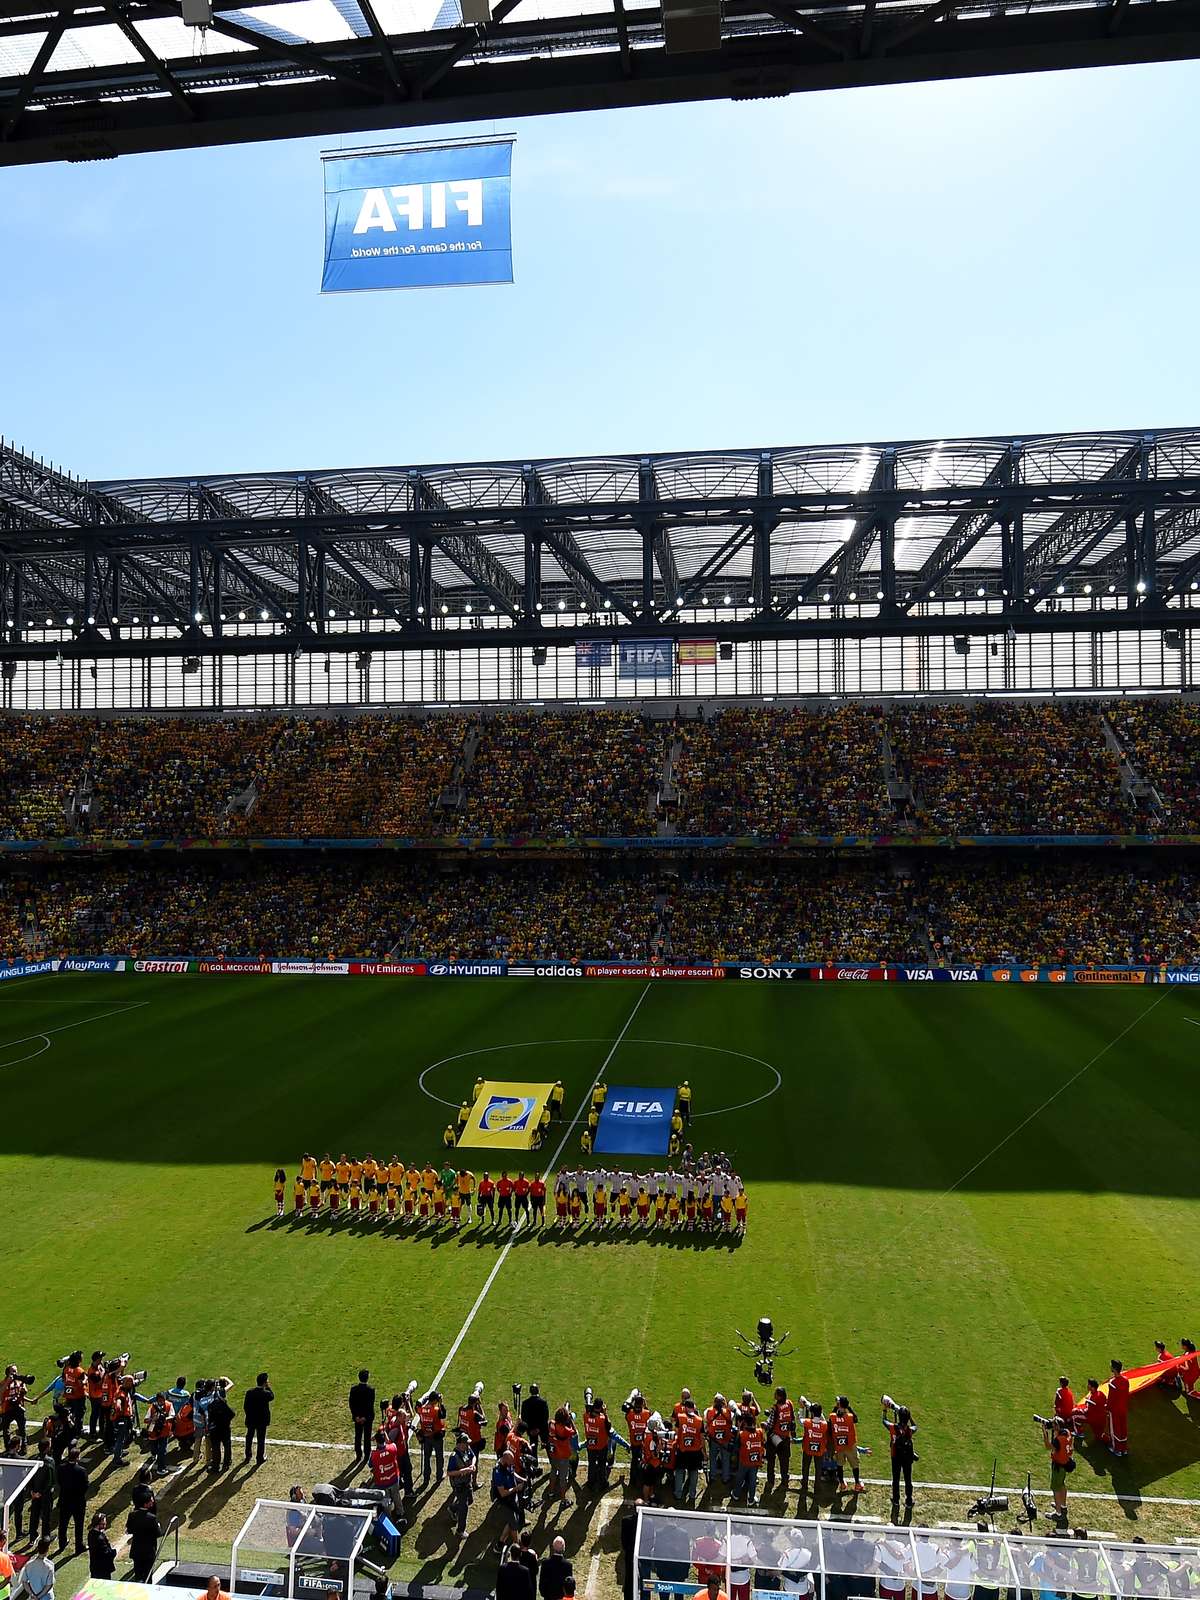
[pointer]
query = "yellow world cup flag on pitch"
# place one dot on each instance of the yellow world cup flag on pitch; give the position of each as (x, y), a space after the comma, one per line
(505, 1116)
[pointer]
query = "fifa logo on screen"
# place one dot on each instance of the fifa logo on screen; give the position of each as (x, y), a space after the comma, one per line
(418, 206)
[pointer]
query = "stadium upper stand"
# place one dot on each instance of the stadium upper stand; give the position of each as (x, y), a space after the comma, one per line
(984, 768)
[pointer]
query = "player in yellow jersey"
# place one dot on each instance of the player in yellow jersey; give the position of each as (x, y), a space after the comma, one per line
(395, 1172)
(429, 1179)
(356, 1170)
(342, 1171)
(412, 1186)
(370, 1166)
(325, 1171)
(308, 1168)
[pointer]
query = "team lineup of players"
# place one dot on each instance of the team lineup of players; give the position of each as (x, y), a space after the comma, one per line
(708, 1196)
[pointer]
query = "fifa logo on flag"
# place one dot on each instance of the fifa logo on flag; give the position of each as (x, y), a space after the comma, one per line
(506, 1113)
(420, 205)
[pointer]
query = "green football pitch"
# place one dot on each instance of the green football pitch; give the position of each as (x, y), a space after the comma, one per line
(955, 1195)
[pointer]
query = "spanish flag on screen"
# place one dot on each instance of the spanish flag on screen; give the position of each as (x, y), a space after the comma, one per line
(505, 1116)
(696, 652)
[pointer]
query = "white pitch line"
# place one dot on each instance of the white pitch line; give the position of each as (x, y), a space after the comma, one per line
(880, 1483)
(65, 1027)
(593, 1573)
(503, 1256)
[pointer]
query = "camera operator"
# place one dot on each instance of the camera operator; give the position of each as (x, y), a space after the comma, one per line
(637, 1419)
(431, 1430)
(14, 1395)
(597, 1438)
(751, 1450)
(689, 1449)
(815, 1445)
(563, 1443)
(460, 1470)
(781, 1431)
(719, 1431)
(843, 1428)
(507, 1485)
(96, 1393)
(1059, 1440)
(385, 1471)
(901, 1430)
(122, 1419)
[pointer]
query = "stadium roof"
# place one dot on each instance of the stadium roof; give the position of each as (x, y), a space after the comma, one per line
(1084, 531)
(89, 79)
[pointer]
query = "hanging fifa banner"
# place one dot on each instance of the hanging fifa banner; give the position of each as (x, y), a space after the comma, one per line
(417, 218)
(646, 658)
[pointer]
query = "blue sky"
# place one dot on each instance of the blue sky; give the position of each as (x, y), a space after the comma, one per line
(1009, 255)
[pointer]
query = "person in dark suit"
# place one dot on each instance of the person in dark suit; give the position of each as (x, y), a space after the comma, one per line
(256, 1408)
(362, 1413)
(102, 1553)
(220, 1427)
(628, 1540)
(72, 1498)
(535, 1414)
(144, 1533)
(555, 1571)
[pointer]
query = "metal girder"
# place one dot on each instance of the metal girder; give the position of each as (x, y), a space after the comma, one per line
(612, 58)
(53, 497)
(472, 558)
(657, 548)
(966, 531)
(849, 556)
(569, 551)
(293, 636)
(1074, 527)
(1175, 529)
(1049, 576)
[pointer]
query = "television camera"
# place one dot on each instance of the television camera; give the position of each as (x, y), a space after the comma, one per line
(763, 1350)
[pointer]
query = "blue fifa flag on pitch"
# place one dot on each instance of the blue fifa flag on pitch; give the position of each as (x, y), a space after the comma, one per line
(419, 217)
(646, 658)
(635, 1122)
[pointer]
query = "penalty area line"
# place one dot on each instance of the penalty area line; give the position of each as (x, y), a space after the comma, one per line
(503, 1256)
(875, 1483)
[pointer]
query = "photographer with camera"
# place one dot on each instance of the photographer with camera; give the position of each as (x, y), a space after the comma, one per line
(897, 1419)
(1059, 1439)
(751, 1450)
(384, 1462)
(14, 1395)
(689, 1449)
(96, 1394)
(637, 1416)
(597, 1432)
(781, 1431)
(563, 1444)
(431, 1430)
(814, 1447)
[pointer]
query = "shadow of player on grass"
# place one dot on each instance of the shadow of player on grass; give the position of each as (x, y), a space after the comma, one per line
(1164, 1437)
